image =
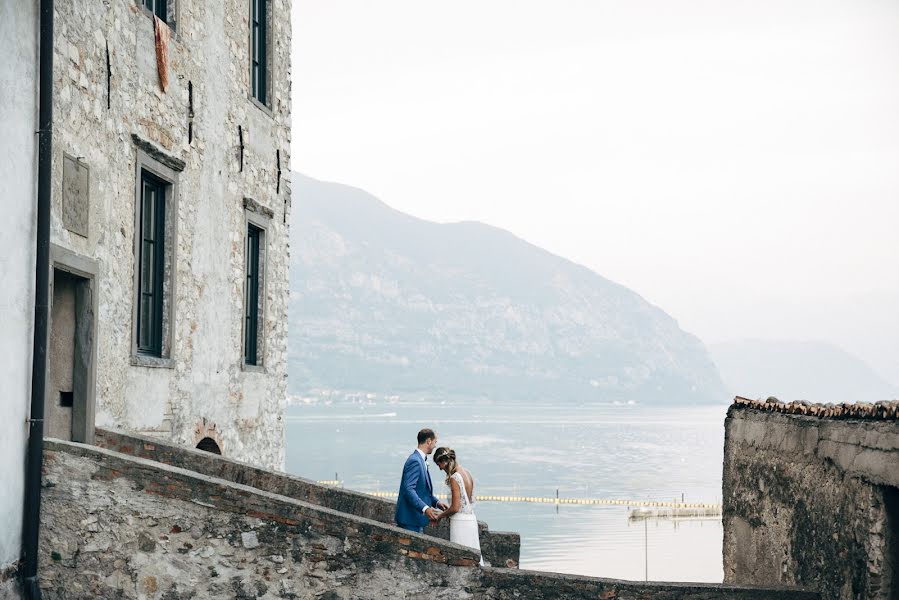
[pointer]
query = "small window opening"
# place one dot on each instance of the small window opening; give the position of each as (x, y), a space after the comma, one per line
(208, 444)
(66, 399)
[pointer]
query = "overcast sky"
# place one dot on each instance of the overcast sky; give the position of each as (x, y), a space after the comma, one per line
(734, 162)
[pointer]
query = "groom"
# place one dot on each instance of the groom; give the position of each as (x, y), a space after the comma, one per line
(416, 502)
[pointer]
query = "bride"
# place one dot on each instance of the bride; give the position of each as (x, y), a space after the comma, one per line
(463, 523)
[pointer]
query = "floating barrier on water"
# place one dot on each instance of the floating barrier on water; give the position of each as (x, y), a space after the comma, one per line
(680, 506)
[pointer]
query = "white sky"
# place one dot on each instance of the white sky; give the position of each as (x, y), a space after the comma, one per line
(734, 162)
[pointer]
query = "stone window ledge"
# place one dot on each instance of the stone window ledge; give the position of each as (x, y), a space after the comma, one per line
(158, 362)
(263, 107)
(253, 368)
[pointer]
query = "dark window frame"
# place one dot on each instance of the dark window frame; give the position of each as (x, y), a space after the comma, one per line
(260, 51)
(151, 264)
(152, 164)
(157, 7)
(257, 227)
(254, 261)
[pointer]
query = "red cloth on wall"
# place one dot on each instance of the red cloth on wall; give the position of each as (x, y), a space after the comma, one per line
(162, 33)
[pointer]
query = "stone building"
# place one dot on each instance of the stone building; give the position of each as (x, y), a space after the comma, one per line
(169, 222)
(168, 241)
(811, 497)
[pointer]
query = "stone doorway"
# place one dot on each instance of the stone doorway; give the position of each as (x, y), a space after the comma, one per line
(71, 351)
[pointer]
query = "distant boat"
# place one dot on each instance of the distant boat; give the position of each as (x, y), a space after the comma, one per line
(676, 513)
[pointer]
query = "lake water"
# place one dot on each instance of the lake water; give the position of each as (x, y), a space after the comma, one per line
(590, 451)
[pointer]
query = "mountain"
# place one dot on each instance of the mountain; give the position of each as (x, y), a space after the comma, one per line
(383, 302)
(792, 370)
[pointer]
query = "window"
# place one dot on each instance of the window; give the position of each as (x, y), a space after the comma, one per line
(259, 50)
(257, 219)
(155, 249)
(157, 7)
(151, 265)
(255, 236)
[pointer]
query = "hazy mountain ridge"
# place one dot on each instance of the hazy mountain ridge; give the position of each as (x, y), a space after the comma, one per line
(798, 370)
(384, 302)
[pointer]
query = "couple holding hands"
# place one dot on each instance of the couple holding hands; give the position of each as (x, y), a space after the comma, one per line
(417, 505)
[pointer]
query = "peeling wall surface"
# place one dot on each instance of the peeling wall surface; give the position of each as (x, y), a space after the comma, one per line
(18, 176)
(108, 106)
(117, 526)
(812, 501)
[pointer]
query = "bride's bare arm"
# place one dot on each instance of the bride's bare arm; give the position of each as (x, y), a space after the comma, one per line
(455, 500)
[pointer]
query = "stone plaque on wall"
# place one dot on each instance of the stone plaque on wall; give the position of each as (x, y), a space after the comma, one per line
(75, 196)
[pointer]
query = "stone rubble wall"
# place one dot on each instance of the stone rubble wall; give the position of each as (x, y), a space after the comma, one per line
(811, 500)
(118, 526)
(204, 390)
(499, 548)
(10, 588)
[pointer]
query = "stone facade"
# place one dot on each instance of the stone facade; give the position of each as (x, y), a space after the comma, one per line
(811, 498)
(226, 154)
(117, 526)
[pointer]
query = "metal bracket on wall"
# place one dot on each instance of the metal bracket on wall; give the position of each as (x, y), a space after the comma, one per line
(240, 136)
(190, 112)
(108, 79)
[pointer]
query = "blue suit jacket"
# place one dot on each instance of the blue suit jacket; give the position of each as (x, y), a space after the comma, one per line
(416, 492)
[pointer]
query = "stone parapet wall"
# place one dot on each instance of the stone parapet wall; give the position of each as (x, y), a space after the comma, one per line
(504, 584)
(499, 548)
(119, 526)
(811, 500)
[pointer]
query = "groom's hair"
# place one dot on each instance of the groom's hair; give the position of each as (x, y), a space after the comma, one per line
(426, 434)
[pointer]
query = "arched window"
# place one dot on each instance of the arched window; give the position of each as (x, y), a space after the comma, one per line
(208, 444)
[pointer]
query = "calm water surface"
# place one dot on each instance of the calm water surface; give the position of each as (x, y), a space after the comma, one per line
(594, 451)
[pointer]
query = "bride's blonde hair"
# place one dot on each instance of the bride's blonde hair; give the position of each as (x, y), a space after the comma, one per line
(449, 454)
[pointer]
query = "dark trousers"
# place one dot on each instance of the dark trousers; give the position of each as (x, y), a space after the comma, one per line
(415, 528)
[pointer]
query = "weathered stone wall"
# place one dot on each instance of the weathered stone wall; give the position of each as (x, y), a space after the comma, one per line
(10, 589)
(505, 584)
(123, 527)
(116, 526)
(811, 501)
(499, 548)
(203, 390)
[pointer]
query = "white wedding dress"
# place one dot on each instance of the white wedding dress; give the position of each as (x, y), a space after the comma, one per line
(464, 524)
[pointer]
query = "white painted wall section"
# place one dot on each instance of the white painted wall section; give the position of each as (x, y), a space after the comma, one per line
(18, 168)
